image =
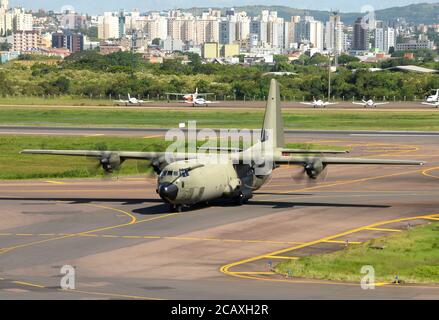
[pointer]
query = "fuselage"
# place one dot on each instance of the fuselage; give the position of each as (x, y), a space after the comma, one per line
(206, 183)
(369, 103)
(319, 103)
(433, 98)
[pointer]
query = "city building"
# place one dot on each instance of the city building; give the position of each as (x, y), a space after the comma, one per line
(385, 39)
(360, 37)
(26, 40)
(170, 45)
(334, 35)
(229, 50)
(108, 26)
(69, 40)
(308, 30)
(4, 4)
(210, 50)
(227, 32)
(415, 45)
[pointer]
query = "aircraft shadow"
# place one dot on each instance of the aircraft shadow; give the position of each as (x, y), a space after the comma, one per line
(161, 208)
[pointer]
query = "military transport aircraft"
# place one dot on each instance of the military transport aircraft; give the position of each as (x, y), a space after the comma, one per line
(130, 101)
(186, 179)
(369, 103)
(318, 103)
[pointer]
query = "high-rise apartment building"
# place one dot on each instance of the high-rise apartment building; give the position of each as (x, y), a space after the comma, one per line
(4, 4)
(26, 40)
(108, 26)
(361, 36)
(385, 39)
(334, 33)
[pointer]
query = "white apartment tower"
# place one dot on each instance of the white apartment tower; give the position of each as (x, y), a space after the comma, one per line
(4, 4)
(385, 39)
(334, 37)
(108, 26)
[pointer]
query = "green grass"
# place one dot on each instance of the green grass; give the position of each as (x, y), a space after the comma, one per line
(20, 166)
(413, 255)
(215, 118)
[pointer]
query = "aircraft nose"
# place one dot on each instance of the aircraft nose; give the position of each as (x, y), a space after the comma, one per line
(168, 191)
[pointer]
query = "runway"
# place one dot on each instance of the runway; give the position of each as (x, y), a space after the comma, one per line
(153, 132)
(124, 244)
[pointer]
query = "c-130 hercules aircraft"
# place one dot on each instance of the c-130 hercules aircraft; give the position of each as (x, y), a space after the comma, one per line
(185, 179)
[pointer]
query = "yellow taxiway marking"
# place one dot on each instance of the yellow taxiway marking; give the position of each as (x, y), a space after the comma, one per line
(342, 241)
(427, 173)
(383, 229)
(226, 269)
(28, 284)
(153, 136)
(116, 295)
(150, 237)
(282, 257)
(254, 272)
(34, 285)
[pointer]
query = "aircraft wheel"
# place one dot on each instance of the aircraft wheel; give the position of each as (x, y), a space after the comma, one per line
(240, 199)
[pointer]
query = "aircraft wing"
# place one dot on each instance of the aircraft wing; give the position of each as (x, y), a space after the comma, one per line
(431, 104)
(380, 103)
(176, 94)
(102, 154)
(329, 103)
(359, 103)
(308, 103)
(121, 101)
(329, 160)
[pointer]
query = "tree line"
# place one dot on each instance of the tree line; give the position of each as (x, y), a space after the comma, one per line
(91, 74)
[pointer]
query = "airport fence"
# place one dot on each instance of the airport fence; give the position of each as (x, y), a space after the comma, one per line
(169, 98)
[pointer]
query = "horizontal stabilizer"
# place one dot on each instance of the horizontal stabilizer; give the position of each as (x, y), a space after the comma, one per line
(286, 152)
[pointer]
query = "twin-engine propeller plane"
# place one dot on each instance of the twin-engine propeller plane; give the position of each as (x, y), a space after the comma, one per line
(318, 103)
(369, 103)
(185, 179)
(131, 101)
(195, 99)
(433, 98)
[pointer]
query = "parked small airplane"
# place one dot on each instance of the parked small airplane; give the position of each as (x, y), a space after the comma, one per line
(195, 99)
(369, 103)
(434, 97)
(130, 101)
(186, 179)
(318, 103)
(434, 104)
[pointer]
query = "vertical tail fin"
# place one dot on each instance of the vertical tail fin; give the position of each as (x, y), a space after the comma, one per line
(129, 96)
(273, 122)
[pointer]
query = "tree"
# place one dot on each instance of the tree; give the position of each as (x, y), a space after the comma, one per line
(156, 41)
(4, 46)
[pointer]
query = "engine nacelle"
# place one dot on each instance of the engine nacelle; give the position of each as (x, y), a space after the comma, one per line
(111, 162)
(314, 168)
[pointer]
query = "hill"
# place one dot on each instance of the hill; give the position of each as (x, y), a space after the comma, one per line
(415, 13)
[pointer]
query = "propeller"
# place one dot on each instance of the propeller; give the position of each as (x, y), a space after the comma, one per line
(109, 162)
(312, 170)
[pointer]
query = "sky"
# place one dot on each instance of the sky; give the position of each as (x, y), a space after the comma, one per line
(99, 6)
